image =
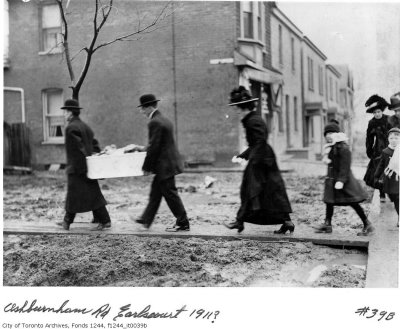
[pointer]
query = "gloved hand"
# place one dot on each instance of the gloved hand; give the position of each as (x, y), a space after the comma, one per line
(339, 185)
(241, 161)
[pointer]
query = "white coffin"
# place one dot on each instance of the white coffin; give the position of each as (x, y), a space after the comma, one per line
(118, 165)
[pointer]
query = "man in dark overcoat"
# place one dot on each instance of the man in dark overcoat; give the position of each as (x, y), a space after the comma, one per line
(83, 194)
(394, 120)
(164, 161)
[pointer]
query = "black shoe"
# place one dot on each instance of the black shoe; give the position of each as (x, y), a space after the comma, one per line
(286, 226)
(141, 221)
(367, 230)
(235, 224)
(323, 228)
(65, 225)
(95, 221)
(101, 226)
(178, 228)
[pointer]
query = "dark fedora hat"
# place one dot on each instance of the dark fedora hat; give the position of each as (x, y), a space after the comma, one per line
(375, 102)
(395, 102)
(147, 99)
(71, 104)
(240, 96)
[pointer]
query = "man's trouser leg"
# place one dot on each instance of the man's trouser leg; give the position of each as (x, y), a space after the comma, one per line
(69, 217)
(154, 202)
(102, 215)
(175, 204)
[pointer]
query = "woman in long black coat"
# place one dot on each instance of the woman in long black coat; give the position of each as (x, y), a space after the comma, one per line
(263, 195)
(83, 194)
(341, 188)
(376, 139)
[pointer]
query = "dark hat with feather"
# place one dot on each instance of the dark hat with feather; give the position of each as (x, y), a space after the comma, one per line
(375, 102)
(240, 96)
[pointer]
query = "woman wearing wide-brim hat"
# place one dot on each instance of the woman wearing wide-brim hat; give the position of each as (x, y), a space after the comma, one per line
(376, 139)
(263, 196)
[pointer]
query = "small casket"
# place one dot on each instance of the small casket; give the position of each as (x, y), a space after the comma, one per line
(115, 165)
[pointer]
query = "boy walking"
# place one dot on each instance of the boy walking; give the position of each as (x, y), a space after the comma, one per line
(341, 188)
(389, 180)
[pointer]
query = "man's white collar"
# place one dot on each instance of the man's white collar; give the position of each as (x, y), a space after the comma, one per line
(151, 114)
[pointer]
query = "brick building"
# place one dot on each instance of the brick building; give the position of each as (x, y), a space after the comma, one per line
(191, 63)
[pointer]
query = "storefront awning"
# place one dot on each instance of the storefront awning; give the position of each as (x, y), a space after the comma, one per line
(256, 72)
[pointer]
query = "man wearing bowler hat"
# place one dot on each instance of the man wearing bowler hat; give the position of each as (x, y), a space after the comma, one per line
(83, 194)
(164, 161)
(394, 105)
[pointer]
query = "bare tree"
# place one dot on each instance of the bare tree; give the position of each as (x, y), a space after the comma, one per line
(101, 14)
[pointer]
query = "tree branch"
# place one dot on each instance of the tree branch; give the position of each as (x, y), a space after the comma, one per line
(65, 42)
(147, 29)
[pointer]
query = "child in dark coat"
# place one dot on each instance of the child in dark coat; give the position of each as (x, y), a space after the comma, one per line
(389, 179)
(341, 188)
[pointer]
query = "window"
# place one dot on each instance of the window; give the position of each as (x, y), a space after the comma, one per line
(50, 29)
(280, 121)
(337, 91)
(6, 33)
(259, 21)
(53, 116)
(288, 128)
(293, 56)
(280, 46)
(321, 80)
(248, 20)
(330, 89)
(296, 115)
(310, 74)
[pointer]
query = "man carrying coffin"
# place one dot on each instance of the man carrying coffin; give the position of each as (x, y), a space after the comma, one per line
(164, 161)
(83, 194)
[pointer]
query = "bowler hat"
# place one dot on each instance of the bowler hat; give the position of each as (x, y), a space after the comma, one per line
(147, 99)
(71, 104)
(394, 130)
(395, 102)
(375, 102)
(331, 127)
(240, 96)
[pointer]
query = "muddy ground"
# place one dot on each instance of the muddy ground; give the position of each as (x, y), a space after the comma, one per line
(105, 260)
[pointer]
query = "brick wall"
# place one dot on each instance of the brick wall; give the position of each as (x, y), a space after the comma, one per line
(122, 72)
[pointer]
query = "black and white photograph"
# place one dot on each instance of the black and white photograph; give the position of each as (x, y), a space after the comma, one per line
(218, 160)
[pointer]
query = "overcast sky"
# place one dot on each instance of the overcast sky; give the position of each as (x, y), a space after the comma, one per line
(364, 35)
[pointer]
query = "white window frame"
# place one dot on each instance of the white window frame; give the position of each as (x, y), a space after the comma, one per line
(310, 64)
(6, 33)
(43, 32)
(321, 80)
(46, 134)
(256, 15)
(295, 114)
(242, 11)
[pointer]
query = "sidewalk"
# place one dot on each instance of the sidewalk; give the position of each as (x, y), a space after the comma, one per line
(383, 249)
(383, 246)
(305, 167)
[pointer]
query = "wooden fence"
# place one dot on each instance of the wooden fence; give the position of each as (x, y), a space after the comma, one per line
(16, 147)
